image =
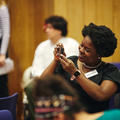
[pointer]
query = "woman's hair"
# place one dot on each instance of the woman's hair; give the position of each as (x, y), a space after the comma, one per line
(102, 38)
(59, 23)
(55, 85)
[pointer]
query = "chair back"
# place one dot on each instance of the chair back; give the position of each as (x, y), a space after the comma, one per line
(9, 103)
(117, 65)
(5, 115)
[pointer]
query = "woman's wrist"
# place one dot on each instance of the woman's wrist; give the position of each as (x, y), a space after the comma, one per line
(75, 75)
(56, 60)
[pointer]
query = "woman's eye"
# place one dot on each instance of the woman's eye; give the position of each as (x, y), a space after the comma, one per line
(87, 50)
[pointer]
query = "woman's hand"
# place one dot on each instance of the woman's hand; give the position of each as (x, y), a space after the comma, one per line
(2, 60)
(67, 64)
(58, 50)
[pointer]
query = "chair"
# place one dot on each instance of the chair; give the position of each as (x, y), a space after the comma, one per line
(117, 64)
(5, 115)
(9, 103)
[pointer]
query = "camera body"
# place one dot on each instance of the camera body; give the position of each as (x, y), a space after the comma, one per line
(60, 50)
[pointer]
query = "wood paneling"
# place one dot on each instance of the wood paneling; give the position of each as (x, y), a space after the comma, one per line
(27, 19)
(82, 12)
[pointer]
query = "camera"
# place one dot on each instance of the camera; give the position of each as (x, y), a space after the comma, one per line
(60, 50)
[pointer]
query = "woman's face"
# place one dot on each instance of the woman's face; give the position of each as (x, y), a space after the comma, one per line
(87, 52)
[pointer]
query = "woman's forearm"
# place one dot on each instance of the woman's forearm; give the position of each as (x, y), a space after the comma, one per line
(98, 92)
(50, 69)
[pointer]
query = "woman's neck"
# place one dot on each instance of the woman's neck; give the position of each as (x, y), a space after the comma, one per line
(98, 63)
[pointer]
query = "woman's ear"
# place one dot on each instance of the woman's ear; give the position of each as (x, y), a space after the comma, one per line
(99, 57)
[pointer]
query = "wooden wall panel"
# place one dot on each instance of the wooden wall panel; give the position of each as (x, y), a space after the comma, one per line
(27, 19)
(82, 12)
(89, 12)
(43, 9)
(72, 11)
(21, 42)
(116, 27)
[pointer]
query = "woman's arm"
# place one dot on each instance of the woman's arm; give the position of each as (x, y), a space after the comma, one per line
(98, 92)
(50, 69)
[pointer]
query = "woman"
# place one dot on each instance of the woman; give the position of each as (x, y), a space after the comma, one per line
(94, 80)
(55, 99)
(4, 40)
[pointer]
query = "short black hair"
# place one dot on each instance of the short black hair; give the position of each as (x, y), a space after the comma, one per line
(58, 23)
(102, 37)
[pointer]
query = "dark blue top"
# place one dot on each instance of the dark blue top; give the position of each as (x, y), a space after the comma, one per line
(106, 71)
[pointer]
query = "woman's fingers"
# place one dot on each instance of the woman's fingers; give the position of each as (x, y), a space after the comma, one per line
(64, 63)
(64, 58)
(67, 65)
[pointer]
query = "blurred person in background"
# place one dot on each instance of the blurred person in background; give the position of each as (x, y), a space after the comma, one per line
(56, 30)
(4, 41)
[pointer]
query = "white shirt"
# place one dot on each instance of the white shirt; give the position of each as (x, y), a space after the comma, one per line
(44, 53)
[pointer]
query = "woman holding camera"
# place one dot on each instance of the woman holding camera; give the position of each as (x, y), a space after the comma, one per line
(95, 80)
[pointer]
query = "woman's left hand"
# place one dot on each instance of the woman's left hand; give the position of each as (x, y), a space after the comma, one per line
(67, 64)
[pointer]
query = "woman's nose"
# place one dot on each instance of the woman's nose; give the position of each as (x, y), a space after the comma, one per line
(82, 50)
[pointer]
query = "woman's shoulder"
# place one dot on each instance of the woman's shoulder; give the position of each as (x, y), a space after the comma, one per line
(110, 72)
(108, 67)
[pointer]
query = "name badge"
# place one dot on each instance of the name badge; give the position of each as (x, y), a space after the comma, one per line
(91, 73)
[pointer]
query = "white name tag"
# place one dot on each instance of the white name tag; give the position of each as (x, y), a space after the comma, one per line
(91, 73)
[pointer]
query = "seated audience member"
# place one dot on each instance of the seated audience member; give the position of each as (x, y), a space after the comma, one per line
(95, 80)
(55, 99)
(4, 43)
(55, 28)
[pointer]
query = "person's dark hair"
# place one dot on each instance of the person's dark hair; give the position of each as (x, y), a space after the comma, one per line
(102, 38)
(56, 85)
(52, 85)
(58, 23)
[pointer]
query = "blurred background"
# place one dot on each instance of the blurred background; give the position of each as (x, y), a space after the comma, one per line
(27, 19)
